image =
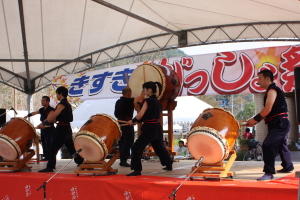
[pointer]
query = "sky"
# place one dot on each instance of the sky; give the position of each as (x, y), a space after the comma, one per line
(214, 48)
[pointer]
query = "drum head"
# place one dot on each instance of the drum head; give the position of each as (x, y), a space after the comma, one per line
(7, 151)
(206, 145)
(144, 73)
(91, 149)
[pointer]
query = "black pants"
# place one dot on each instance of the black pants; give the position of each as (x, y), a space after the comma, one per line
(126, 142)
(151, 133)
(62, 135)
(276, 142)
(46, 138)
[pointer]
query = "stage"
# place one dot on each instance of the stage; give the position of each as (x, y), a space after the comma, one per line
(154, 184)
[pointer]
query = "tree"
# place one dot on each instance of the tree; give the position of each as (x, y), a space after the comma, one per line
(8, 94)
(247, 113)
(143, 58)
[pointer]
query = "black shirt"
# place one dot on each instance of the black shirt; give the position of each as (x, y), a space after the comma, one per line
(66, 114)
(124, 108)
(279, 109)
(154, 108)
(44, 113)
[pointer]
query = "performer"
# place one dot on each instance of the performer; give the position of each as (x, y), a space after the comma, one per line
(276, 117)
(124, 111)
(63, 132)
(151, 131)
(47, 133)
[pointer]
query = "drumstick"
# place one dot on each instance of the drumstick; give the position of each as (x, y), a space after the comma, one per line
(127, 80)
(122, 121)
(144, 74)
(124, 125)
(40, 128)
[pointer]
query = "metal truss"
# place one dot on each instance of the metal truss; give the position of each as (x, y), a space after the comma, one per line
(231, 33)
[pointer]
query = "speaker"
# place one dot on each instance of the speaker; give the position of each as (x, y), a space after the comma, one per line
(297, 92)
(3, 117)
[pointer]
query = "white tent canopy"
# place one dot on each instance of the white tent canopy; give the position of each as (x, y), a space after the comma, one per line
(175, 127)
(188, 109)
(40, 38)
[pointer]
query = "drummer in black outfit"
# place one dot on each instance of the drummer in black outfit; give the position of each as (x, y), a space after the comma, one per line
(63, 132)
(124, 111)
(276, 117)
(47, 133)
(151, 131)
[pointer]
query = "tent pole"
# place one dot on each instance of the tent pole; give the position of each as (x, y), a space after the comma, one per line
(15, 102)
(29, 103)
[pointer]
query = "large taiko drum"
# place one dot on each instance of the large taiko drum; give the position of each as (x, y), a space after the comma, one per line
(213, 135)
(153, 72)
(97, 137)
(16, 137)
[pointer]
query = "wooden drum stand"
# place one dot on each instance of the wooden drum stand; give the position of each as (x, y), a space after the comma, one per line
(20, 164)
(217, 170)
(99, 167)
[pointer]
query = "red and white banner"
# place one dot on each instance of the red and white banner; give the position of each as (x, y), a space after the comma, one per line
(210, 74)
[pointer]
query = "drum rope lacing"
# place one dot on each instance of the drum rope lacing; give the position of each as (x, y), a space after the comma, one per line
(198, 129)
(13, 143)
(95, 137)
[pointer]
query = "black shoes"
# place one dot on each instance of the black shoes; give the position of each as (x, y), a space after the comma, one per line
(266, 177)
(124, 164)
(284, 171)
(134, 173)
(46, 170)
(168, 168)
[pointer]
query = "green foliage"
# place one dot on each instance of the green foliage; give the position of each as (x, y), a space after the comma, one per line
(238, 103)
(243, 142)
(176, 142)
(247, 113)
(209, 99)
(144, 57)
(174, 53)
(240, 155)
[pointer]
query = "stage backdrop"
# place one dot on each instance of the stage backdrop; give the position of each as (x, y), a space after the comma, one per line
(210, 74)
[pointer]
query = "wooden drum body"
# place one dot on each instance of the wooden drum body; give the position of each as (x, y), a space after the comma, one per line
(97, 137)
(156, 73)
(16, 138)
(213, 135)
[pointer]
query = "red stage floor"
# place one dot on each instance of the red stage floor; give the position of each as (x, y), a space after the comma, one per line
(23, 185)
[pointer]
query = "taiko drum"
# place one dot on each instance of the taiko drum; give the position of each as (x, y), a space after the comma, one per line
(213, 135)
(97, 137)
(156, 73)
(16, 137)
